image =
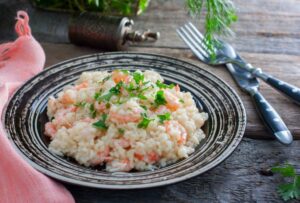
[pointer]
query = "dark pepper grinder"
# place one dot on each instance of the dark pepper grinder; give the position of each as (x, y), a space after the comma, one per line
(106, 32)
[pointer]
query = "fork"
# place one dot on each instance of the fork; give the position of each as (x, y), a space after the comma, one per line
(220, 55)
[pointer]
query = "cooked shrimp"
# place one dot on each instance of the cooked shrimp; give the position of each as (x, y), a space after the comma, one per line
(68, 97)
(50, 130)
(82, 85)
(122, 143)
(172, 101)
(175, 129)
(100, 107)
(127, 112)
(119, 76)
(123, 118)
(102, 156)
(139, 156)
(177, 88)
(152, 157)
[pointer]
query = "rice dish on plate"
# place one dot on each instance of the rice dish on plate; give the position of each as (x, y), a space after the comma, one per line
(124, 120)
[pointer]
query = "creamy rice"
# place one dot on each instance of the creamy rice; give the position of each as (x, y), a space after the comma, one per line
(124, 120)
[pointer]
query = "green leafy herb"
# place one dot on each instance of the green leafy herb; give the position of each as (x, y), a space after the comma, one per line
(138, 77)
(164, 117)
(220, 14)
(101, 123)
(142, 97)
(160, 98)
(131, 87)
(113, 91)
(121, 131)
(111, 7)
(164, 86)
(125, 71)
(145, 122)
(105, 79)
(93, 112)
(181, 101)
(288, 190)
(80, 104)
(144, 107)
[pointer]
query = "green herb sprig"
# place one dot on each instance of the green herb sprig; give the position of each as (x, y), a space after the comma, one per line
(289, 190)
(164, 117)
(219, 16)
(100, 124)
(145, 122)
(160, 98)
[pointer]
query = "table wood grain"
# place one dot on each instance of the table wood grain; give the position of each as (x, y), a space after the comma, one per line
(268, 36)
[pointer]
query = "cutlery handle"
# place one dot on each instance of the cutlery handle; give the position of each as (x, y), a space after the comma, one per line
(285, 88)
(272, 119)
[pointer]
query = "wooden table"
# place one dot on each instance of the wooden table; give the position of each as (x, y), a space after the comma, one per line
(268, 36)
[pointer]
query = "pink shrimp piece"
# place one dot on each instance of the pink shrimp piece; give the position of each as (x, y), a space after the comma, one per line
(123, 143)
(66, 99)
(175, 126)
(82, 85)
(73, 108)
(119, 76)
(50, 130)
(177, 88)
(87, 119)
(139, 156)
(118, 118)
(161, 110)
(172, 101)
(152, 157)
(102, 156)
(100, 107)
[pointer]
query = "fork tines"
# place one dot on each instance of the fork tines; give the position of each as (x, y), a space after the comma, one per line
(195, 40)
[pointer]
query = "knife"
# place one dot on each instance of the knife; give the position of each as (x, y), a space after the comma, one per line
(268, 114)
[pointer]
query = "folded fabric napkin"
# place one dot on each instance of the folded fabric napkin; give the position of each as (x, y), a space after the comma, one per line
(19, 182)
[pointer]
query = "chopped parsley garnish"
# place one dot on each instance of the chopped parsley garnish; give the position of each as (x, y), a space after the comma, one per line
(160, 98)
(93, 112)
(164, 117)
(288, 190)
(98, 94)
(138, 77)
(105, 79)
(116, 90)
(80, 104)
(181, 101)
(101, 123)
(142, 97)
(164, 86)
(144, 107)
(121, 131)
(131, 87)
(145, 122)
(125, 71)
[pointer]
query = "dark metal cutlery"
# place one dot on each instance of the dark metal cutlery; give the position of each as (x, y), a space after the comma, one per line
(245, 77)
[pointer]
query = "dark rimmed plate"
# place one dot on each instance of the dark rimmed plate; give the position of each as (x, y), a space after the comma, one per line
(25, 115)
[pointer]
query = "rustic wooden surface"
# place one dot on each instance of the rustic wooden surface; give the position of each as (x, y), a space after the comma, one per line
(268, 36)
(238, 179)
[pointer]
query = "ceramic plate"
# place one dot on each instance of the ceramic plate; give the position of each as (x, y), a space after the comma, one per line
(25, 116)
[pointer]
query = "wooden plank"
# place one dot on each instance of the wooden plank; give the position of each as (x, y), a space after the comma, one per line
(271, 27)
(237, 179)
(271, 63)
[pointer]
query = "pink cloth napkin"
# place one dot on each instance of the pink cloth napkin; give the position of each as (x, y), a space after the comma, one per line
(19, 182)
